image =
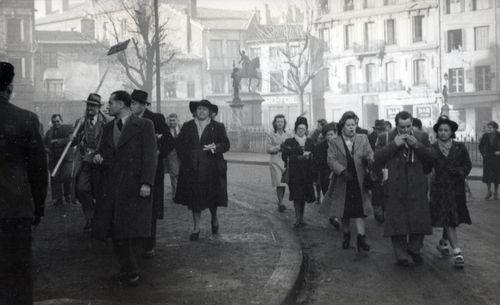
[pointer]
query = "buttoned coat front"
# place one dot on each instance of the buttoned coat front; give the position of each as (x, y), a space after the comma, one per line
(407, 205)
(337, 161)
(123, 213)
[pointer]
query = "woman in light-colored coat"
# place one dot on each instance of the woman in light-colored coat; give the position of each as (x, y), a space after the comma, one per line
(274, 140)
(348, 157)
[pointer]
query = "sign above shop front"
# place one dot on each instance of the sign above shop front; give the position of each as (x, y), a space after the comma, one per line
(424, 112)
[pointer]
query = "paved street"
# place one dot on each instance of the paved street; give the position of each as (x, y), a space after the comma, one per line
(250, 256)
(336, 276)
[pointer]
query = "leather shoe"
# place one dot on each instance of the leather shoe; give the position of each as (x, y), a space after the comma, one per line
(194, 236)
(416, 257)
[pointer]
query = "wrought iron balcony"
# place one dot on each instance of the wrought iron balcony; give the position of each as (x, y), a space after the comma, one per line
(371, 46)
(371, 87)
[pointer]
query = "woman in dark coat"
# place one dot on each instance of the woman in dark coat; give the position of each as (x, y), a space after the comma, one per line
(320, 156)
(489, 146)
(297, 155)
(448, 199)
(202, 175)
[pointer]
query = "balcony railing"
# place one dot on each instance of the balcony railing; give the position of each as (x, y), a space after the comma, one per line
(372, 46)
(371, 87)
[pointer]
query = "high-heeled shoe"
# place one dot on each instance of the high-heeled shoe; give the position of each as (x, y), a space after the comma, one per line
(194, 236)
(346, 240)
(361, 243)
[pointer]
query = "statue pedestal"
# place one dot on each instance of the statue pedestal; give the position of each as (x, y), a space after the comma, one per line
(236, 125)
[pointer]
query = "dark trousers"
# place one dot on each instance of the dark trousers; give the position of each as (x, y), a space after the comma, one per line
(87, 188)
(150, 242)
(403, 243)
(61, 183)
(129, 253)
(16, 286)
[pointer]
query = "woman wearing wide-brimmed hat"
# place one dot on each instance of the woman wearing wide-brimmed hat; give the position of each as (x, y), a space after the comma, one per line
(202, 175)
(448, 198)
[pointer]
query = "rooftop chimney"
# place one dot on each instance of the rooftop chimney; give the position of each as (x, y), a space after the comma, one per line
(88, 28)
(268, 15)
(193, 8)
(65, 5)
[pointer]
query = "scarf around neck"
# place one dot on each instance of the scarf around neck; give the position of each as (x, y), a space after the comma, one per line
(445, 146)
(301, 140)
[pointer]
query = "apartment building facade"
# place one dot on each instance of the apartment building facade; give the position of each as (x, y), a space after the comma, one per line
(17, 43)
(382, 57)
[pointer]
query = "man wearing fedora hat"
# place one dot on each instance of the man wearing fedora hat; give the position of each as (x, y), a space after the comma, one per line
(379, 188)
(87, 177)
(202, 175)
(139, 107)
(23, 185)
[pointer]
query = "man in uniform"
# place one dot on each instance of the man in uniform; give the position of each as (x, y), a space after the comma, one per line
(23, 188)
(139, 108)
(56, 139)
(89, 135)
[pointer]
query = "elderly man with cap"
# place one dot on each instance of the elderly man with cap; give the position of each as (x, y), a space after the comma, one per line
(127, 155)
(202, 177)
(23, 185)
(87, 177)
(139, 108)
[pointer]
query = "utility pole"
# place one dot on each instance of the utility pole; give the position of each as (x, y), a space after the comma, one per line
(157, 47)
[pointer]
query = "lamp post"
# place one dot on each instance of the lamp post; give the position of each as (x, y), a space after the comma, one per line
(445, 110)
(157, 47)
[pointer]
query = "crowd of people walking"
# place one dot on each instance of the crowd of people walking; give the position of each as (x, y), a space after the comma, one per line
(394, 174)
(119, 161)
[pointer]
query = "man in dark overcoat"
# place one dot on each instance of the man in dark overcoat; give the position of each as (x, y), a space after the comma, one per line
(407, 216)
(56, 139)
(127, 155)
(202, 177)
(23, 188)
(139, 108)
(87, 176)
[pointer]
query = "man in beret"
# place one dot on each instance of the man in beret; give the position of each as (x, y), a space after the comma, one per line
(23, 185)
(139, 108)
(87, 177)
(127, 155)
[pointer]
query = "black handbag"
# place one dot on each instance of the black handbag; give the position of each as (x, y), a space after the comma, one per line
(285, 178)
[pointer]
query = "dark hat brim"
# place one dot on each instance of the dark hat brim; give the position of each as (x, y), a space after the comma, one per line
(453, 125)
(142, 102)
(89, 102)
(193, 105)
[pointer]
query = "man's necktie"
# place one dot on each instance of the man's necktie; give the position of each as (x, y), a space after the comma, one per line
(119, 124)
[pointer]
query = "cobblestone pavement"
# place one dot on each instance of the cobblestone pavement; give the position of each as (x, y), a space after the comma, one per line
(336, 276)
(255, 260)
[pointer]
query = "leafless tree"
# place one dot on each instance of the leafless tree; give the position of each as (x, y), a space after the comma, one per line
(139, 61)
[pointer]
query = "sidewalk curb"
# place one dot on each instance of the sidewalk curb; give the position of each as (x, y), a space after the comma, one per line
(262, 163)
(288, 274)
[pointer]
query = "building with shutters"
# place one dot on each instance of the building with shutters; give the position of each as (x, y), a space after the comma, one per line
(382, 57)
(17, 43)
(416, 55)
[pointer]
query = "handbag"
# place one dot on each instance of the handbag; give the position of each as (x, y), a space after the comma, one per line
(285, 178)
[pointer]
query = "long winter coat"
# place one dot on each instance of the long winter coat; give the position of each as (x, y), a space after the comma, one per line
(320, 159)
(337, 161)
(301, 170)
(123, 213)
(491, 163)
(23, 163)
(161, 128)
(407, 205)
(448, 200)
(202, 180)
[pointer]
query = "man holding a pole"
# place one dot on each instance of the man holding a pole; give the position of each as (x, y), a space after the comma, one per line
(56, 138)
(87, 140)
